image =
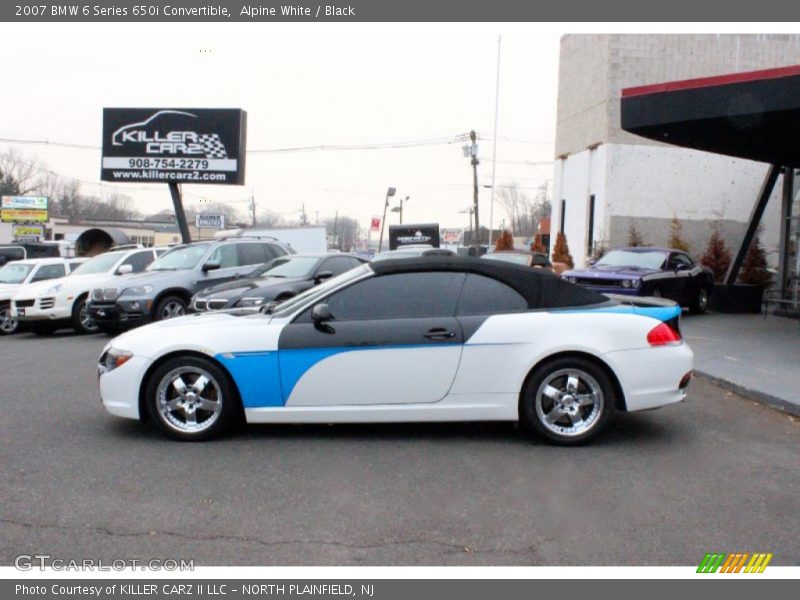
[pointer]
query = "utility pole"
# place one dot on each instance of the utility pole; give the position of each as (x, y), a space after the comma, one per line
(471, 151)
(316, 222)
(335, 228)
(390, 192)
(304, 220)
(253, 207)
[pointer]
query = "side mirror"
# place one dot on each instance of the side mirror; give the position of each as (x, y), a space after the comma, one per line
(211, 265)
(321, 313)
(681, 267)
(125, 269)
(322, 275)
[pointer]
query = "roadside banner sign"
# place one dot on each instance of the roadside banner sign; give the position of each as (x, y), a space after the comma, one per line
(27, 232)
(375, 225)
(14, 215)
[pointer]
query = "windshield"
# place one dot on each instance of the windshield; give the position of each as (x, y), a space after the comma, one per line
(15, 272)
(625, 258)
(291, 266)
(181, 257)
(517, 259)
(99, 264)
(310, 295)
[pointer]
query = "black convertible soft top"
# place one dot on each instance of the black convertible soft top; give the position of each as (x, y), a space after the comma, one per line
(540, 288)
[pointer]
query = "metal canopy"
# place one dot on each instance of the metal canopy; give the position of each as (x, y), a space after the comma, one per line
(753, 115)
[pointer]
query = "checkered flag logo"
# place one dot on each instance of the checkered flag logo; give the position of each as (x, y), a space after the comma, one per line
(212, 145)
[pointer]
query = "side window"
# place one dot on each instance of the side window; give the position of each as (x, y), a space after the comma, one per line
(274, 251)
(484, 295)
(539, 260)
(398, 296)
(74, 265)
(225, 255)
(139, 260)
(680, 260)
(354, 262)
(336, 265)
(49, 272)
(253, 254)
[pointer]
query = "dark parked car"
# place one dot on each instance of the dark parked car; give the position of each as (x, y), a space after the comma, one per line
(278, 280)
(659, 272)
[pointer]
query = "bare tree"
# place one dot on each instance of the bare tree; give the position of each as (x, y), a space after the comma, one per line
(18, 175)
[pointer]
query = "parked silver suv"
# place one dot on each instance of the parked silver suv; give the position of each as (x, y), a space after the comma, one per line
(165, 289)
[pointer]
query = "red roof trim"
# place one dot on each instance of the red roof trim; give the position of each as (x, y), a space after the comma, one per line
(688, 84)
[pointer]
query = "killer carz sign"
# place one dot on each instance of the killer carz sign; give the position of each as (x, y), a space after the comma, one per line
(167, 145)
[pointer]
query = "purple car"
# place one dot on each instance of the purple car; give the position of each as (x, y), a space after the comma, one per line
(658, 272)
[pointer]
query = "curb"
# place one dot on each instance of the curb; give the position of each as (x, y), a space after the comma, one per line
(773, 402)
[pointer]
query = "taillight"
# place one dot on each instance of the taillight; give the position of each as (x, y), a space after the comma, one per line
(663, 335)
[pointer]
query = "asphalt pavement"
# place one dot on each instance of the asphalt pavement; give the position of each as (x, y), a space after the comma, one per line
(715, 473)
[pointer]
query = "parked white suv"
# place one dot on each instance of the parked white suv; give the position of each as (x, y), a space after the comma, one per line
(50, 305)
(16, 274)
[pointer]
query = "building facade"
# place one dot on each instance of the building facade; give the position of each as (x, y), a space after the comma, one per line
(607, 180)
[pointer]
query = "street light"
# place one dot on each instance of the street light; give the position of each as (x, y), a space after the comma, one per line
(389, 193)
(400, 208)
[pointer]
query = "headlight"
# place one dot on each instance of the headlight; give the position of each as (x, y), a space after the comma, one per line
(626, 283)
(250, 302)
(112, 359)
(138, 290)
(572, 279)
(55, 289)
(635, 283)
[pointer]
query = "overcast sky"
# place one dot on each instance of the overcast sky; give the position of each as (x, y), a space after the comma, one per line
(299, 89)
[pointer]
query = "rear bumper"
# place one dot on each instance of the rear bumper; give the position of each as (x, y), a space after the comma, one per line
(651, 377)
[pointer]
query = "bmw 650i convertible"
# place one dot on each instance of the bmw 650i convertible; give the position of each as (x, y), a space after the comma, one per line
(430, 339)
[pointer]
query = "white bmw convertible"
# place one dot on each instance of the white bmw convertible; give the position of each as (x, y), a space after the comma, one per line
(430, 339)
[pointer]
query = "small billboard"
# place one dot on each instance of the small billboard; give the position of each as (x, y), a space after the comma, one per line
(209, 221)
(407, 235)
(168, 145)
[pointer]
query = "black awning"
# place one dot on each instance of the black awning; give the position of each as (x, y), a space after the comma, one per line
(753, 115)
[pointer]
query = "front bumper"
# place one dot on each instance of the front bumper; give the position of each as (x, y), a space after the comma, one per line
(119, 389)
(125, 313)
(43, 308)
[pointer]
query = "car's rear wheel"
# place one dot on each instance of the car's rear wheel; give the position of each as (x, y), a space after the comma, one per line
(700, 302)
(170, 307)
(8, 324)
(191, 399)
(82, 322)
(567, 401)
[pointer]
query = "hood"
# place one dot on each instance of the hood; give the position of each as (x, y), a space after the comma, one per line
(602, 272)
(239, 286)
(142, 278)
(32, 290)
(7, 290)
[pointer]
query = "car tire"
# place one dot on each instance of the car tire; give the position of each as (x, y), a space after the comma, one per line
(169, 307)
(45, 328)
(81, 321)
(567, 401)
(8, 324)
(192, 399)
(700, 302)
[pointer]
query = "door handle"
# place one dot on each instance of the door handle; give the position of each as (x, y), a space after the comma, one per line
(439, 333)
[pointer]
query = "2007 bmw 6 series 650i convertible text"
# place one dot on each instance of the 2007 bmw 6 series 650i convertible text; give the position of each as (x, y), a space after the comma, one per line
(430, 339)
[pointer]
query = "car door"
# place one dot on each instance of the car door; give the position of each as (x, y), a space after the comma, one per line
(393, 339)
(227, 257)
(678, 286)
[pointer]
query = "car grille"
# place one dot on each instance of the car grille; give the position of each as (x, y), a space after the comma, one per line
(108, 294)
(200, 305)
(216, 304)
(599, 282)
(47, 303)
(24, 303)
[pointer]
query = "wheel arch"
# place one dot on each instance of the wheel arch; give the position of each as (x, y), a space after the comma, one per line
(620, 403)
(143, 412)
(181, 293)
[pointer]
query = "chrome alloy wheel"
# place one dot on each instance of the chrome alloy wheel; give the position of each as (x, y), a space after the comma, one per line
(8, 324)
(172, 309)
(189, 399)
(702, 299)
(569, 402)
(86, 320)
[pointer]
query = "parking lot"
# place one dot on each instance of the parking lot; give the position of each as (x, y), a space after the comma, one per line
(716, 473)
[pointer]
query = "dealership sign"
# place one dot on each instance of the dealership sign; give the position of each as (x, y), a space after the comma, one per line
(27, 233)
(23, 209)
(209, 221)
(154, 145)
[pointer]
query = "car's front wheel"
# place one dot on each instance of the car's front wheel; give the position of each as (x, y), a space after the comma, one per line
(567, 401)
(191, 399)
(8, 324)
(82, 322)
(170, 307)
